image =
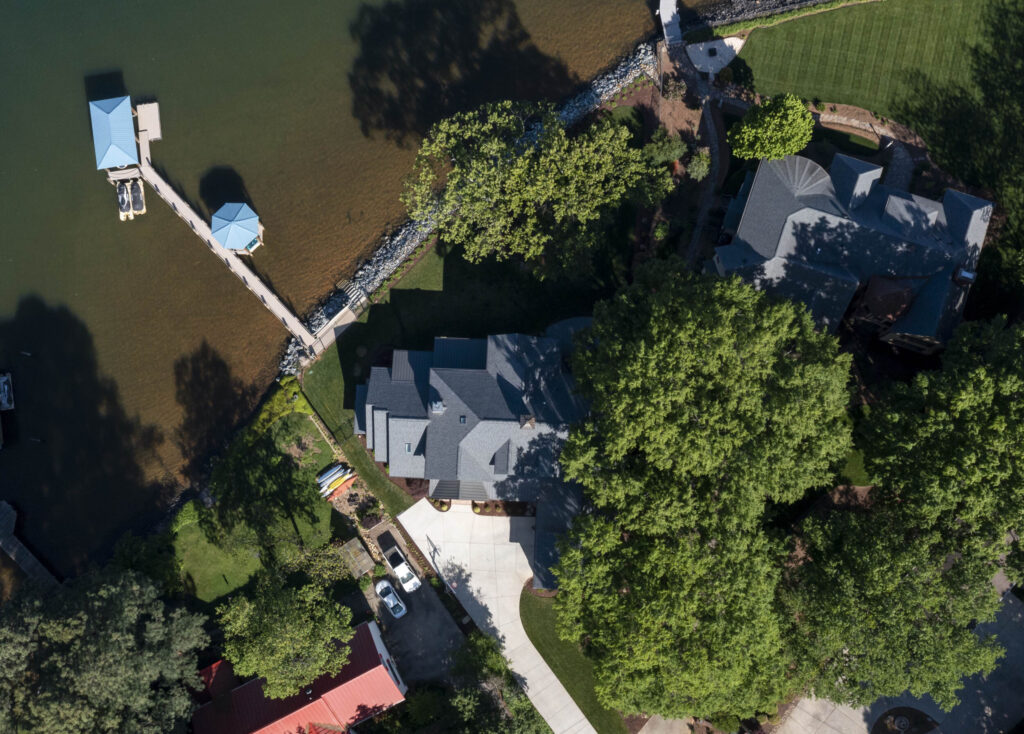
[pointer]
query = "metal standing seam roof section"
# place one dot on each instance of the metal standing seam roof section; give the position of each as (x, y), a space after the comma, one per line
(362, 689)
(235, 226)
(113, 133)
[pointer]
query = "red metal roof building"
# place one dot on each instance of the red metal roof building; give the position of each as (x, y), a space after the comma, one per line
(368, 685)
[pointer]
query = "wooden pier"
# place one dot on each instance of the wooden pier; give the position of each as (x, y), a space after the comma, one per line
(313, 344)
(21, 555)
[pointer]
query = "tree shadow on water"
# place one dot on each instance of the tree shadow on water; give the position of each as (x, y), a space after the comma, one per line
(213, 403)
(423, 60)
(221, 185)
(81, 471)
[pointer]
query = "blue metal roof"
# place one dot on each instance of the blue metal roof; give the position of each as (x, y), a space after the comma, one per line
(235, 226)
(113, 132)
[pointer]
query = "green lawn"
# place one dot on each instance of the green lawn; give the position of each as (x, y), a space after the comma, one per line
(211, 567)
(868, 55)
(854, 472)
(566, 661)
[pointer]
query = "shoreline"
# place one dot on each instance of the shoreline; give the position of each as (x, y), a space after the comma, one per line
(395, 248)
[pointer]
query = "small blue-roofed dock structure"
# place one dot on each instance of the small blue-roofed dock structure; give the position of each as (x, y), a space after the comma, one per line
(234, 229)
(237, 228)
(113, 133)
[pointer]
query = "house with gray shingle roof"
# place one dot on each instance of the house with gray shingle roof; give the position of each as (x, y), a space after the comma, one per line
(479, 418)
(853, 248)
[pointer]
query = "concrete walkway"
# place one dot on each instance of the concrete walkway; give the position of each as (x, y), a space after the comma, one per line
(486, 562)
(987, 705)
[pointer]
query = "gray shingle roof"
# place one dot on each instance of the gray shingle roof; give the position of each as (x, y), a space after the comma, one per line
(403, 433)
(815, 237)
(459, 413)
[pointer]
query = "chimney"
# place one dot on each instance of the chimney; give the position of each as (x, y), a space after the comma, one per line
(527, 421)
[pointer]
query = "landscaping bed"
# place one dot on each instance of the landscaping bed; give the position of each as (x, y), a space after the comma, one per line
(501, 508)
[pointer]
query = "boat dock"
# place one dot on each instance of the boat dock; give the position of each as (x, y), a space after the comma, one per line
(21, 555)
(149, 130)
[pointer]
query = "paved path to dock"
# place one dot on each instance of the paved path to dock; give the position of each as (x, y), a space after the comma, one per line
(21, 555)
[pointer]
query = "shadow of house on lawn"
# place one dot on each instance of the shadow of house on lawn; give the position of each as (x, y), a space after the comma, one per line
(81, 472)
(475, 301)
(974, 133)
(423, 60)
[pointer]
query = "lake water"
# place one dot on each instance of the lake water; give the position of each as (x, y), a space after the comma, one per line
(131, 346)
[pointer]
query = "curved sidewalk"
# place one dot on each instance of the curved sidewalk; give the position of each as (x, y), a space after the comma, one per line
(486, 562)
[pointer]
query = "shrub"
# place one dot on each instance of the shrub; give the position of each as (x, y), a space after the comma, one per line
(379, 571)
(700, 164)
(365, 582)
(661, 230)
(673, 88)
(664, 148)
(187, 515)
(725, 75)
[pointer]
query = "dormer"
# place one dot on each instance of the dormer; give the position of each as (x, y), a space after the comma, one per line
(853, 179)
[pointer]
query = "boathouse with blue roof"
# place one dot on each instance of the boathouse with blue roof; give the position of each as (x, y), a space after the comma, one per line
(236, 227)
(113, 133)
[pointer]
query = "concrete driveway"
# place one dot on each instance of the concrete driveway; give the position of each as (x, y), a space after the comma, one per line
(486, 562)
(425, 640)
(987, 705)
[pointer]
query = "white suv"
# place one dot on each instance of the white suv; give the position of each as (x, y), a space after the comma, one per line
(402, 569)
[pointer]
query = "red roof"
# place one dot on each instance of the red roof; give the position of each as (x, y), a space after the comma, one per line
(361, 690)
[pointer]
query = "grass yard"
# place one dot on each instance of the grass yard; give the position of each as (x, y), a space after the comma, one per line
(269, 503)
(854, 472)
(574, 670)
(868, 55)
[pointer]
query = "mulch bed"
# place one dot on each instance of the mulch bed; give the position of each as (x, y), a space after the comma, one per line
(499, 508)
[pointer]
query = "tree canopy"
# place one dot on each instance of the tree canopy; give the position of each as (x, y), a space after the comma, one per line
(737, 398)
(102, 654)
(290, 635)
(779, 126)
(709, 401)
(507, 180)
(888, 596)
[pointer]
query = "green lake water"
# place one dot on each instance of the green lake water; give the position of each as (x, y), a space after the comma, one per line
(131, 346)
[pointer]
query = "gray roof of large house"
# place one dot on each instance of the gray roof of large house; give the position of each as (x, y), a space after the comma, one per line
(817, 236)
(472, 409)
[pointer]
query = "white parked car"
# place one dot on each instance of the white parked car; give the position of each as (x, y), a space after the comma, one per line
(402, 569)
(390, 598)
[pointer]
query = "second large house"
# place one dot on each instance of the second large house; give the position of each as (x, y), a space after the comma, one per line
(479, 418)
(854, 249)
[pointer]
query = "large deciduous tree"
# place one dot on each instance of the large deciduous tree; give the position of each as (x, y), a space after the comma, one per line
(103, 654)
(778, 127)
(290, 635)
(709, 400)
(507, 180)
(734, 396)
(886, 599)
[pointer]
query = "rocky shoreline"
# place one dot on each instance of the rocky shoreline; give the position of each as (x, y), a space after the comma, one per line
(400, 244)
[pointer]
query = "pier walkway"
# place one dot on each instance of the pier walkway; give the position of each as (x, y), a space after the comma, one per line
(234, 262)
(21, 555)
